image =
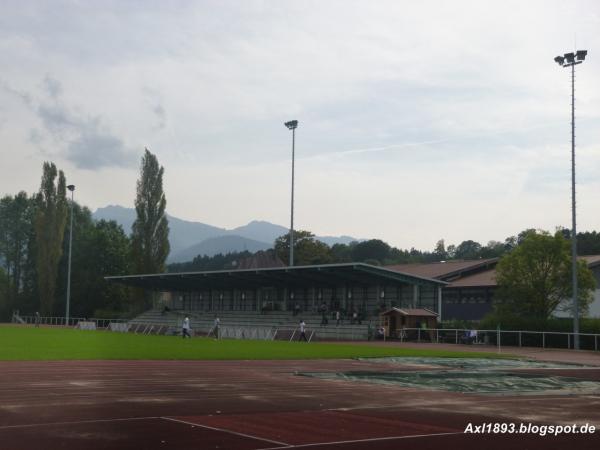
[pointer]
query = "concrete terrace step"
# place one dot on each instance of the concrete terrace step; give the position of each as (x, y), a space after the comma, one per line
(202, 322)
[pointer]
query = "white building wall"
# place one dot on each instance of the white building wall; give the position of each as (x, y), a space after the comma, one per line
(595, 305)
(594, 310)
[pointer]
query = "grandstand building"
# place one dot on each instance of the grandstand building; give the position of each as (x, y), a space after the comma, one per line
(352, 287)
(461, 290)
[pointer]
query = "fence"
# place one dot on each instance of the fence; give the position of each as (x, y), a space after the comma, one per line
(514, 338)
(259, 333)
(61, 321)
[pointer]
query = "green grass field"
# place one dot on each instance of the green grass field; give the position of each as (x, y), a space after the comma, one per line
(19, 343)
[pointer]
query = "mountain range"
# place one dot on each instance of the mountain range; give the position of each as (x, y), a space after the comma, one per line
(190, 239)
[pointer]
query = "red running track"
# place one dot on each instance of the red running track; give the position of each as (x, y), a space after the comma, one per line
(242, 405)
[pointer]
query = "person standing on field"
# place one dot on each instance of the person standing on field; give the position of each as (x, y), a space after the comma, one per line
(185, 329)
(303, 331)
(216, 327)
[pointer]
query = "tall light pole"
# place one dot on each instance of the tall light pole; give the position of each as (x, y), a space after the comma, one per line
(292, 125)
(70, 187)
(571, 60)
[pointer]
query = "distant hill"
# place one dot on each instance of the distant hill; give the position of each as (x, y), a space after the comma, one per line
(220, 244)
(188, 239)
(182, 235)
(261, 231)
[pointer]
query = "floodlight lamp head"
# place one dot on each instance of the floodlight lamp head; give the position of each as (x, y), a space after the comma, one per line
(292, 124)
(560, 60)
(570, 57)
(71, 187)
(581, 54)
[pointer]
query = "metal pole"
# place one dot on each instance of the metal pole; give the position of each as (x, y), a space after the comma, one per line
(498, 338)
(543, 340)
(573, 210)
(69, 269)
(292, 215)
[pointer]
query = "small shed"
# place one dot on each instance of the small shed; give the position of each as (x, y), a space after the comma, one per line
(395, 320)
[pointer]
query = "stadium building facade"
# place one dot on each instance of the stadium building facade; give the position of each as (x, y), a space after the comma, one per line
(461, 290)
(363, 288)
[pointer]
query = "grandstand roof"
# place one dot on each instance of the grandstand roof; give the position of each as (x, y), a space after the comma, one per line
(445, 269)
(297, 276)
(419, 312)
(487, 278)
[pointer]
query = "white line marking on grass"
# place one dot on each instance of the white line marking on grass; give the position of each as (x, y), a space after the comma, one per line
(284, 444)
(8, 427)
(391, 438)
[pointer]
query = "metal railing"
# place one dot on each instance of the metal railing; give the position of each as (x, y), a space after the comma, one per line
(513, 338)
(61, 321)
(249, 332)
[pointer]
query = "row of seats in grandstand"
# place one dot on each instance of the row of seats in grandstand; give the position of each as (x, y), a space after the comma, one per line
(202, 322)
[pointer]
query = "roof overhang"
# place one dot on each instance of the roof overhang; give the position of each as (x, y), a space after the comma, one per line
(413, 312)
(327, 275)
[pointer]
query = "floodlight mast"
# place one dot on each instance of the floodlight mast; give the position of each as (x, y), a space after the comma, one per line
(292, 125)
(571, 60)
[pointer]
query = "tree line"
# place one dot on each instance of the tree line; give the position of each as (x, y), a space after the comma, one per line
(308, 250)
(34, 249)
(534, 271)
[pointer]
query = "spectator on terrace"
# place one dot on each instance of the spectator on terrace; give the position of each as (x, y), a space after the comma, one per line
(303, 331)
(216, 326)
(185, 329)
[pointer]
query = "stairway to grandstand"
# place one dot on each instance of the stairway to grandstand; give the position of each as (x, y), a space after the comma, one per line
(284, 321)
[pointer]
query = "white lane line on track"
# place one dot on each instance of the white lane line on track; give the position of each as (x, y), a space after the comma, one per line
(49, 424)
(282, 444)
(356, 441)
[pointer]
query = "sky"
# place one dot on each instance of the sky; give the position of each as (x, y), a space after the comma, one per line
(418, 121)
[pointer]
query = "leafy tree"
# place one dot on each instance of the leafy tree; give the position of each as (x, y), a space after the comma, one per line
(451, 251)
(50, 220)
(371, 249)
(4, 289)
(588, 243)
(341, 253)
(150, 231)
(16, 229)
(307, 250)
(99, 249)
(440, 250)
(468, 250)
(493, 249)
(535, 278)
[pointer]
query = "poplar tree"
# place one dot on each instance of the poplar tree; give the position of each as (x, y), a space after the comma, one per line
(50, 221)
(150, 231)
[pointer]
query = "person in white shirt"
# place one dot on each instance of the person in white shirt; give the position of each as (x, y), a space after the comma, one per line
(303, 331)
(216, 325)
(185, 330)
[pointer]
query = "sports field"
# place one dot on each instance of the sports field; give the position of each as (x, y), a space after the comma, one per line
(24, 343)
(267, 396)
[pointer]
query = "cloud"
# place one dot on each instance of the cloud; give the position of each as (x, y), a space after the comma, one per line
(52, 86)
(94, 149)
(22, 95)
(161, 116)
(88, 144)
